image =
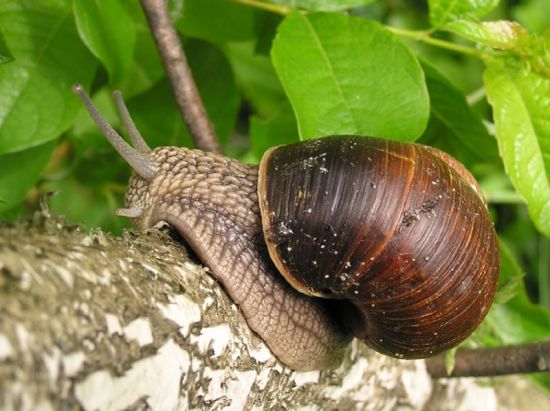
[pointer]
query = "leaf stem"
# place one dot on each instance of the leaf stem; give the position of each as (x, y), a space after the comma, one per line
(476, 96)
(503, 198)
(424, 37)
(274, 8)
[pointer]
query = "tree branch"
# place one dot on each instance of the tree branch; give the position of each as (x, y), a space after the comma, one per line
(94, 322)
(178, 71)
(483, 362)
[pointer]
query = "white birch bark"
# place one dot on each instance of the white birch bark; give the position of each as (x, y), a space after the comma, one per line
(101, 323)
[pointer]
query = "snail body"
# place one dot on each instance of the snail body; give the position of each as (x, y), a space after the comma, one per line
(394, 237)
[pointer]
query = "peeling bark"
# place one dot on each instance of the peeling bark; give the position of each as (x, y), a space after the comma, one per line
(96, 322)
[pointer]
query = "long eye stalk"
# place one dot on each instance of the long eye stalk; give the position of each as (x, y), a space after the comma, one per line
(139, 161)
(135, 136)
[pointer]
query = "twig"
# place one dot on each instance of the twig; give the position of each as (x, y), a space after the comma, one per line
(424, 37)
(179, 73)
(274, 8)
(486, 362)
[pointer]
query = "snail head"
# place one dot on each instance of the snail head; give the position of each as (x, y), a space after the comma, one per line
(138, 155)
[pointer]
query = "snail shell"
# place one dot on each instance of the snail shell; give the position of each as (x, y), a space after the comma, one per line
(398, 230)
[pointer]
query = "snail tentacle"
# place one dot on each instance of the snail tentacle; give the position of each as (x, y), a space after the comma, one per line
(132, 212)
(141, 163)
(135, 136)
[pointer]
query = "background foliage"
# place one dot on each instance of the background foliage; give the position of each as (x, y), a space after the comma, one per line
(471, 77)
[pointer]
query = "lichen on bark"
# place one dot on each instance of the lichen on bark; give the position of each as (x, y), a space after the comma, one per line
(96, 322)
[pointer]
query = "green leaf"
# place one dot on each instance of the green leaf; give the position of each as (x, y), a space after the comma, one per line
(509, 289)
(346, 75)
(503, 324)
(519, 320)
(450, 360)
(533, 15)
(145, 69)
(279, 129)
(256, 78)
(266, 28)
(497, 188)
(36, 100)
(216, 84)
(445, 11)
(510, 36)
(217, 20)
(87, 206)
(543, 280)
(5, 54)
(20, 171)
(520, 100)
(321, 5)
(510, 282)
(108, 31)
(449, 105)
(501, 34)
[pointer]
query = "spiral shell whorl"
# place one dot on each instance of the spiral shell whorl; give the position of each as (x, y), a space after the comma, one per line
(388, 226)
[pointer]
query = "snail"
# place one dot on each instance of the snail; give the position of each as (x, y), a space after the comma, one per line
(327, 239)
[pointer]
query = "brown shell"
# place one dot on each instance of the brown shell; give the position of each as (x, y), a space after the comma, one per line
(392, 227)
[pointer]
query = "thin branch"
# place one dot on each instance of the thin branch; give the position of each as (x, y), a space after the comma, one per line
(179, 73)
(424, 37)
(274, 8)
(476, 96)
(486, 362)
